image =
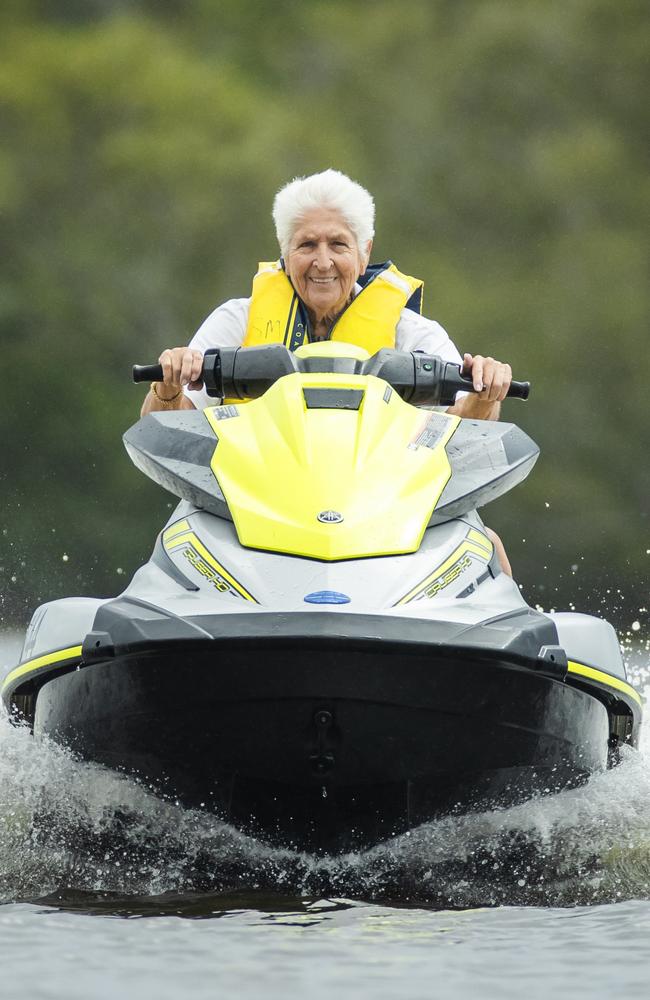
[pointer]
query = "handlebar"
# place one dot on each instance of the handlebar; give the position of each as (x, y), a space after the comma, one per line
(247, 372)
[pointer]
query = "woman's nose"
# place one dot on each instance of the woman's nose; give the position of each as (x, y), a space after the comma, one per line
(323, 259)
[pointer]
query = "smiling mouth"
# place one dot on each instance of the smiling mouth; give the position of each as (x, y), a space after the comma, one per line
(323, 281)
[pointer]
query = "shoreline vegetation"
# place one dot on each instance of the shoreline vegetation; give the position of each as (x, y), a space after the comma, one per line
(503, 146)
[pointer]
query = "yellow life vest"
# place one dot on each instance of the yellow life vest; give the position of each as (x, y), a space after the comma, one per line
(277, 315)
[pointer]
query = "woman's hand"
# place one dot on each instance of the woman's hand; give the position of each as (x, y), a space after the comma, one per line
(181, 366)
(490, 378)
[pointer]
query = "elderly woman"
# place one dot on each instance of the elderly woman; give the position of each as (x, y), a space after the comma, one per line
(323, 288)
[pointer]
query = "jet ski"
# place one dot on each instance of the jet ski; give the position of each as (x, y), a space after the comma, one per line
(322, 649)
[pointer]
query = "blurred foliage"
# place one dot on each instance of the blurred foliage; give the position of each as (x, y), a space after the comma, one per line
(143, 143)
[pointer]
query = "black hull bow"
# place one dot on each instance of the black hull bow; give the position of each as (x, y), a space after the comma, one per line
(327, 744)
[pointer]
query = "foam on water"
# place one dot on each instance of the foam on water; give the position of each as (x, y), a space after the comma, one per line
(68, 826)
(71, 828)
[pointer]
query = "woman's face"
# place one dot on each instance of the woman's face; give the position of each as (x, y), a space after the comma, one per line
(324, 262)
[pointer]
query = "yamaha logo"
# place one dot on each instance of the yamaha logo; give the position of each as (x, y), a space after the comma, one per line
(330, 517)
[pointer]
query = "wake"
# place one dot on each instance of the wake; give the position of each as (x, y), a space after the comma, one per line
(68, 827)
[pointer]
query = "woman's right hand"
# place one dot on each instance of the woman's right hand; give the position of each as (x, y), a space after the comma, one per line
(181, 366)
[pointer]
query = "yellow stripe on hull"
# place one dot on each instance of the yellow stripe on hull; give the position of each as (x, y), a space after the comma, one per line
(175, 529)
(58, 657)
(478, 538)
(475, 544)
(581, 670)
(191, 539)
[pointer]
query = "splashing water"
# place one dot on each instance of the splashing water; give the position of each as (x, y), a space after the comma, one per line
(73, 829)
(67, 826)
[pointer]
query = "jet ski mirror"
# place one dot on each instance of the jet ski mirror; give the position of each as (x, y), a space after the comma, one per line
(247, 372)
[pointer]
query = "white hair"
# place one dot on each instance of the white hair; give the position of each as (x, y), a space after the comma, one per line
(329, 189)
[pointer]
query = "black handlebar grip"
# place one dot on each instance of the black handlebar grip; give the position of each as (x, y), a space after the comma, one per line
(519, 390)
(147, 373)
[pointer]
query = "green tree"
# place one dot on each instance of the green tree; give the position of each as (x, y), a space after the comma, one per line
(504, 145)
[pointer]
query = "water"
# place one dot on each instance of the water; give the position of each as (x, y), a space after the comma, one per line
(109, 892)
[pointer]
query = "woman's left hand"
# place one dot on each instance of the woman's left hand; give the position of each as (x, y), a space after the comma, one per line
(491, 379)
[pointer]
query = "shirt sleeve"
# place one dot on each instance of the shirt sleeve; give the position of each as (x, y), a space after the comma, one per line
(416, 333)
(224, 327)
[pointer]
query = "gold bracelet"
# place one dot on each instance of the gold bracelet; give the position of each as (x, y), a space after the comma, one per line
(161, 399)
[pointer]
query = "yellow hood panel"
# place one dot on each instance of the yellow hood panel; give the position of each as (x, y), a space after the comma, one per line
(280, 464)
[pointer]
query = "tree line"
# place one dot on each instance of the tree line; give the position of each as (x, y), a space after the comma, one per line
(503, 144)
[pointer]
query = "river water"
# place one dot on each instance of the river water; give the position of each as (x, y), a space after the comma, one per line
(110, 893)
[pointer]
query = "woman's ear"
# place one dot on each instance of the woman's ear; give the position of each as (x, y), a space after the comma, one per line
(365, 259)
